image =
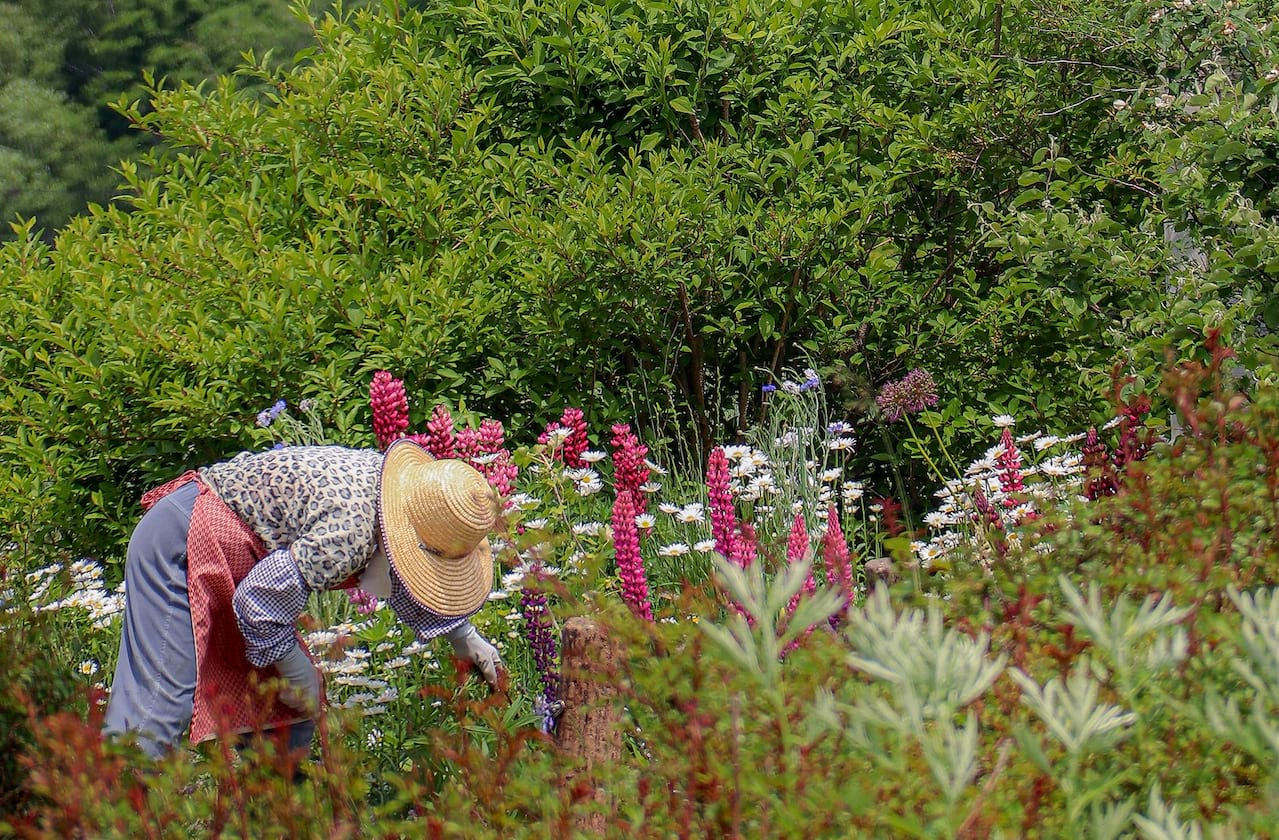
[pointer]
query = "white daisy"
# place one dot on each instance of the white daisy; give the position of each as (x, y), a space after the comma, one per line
(832, 475)
(692, 513)
(668, 508)
(650, 487)
(593, 456)
(673, 550)
(587, 529)
(841, 444)
(656, 469)
(645, 521)
(704, 546)
(88, 667)
(1003, 421)
(736, 451)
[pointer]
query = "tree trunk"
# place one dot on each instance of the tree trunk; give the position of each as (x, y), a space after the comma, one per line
(590, 728)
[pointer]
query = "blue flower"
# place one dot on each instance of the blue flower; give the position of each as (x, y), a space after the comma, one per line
(267, 416)
(768, 389)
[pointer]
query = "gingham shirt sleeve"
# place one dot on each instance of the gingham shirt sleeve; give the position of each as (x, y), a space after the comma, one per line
(267, 604)
(426, 624)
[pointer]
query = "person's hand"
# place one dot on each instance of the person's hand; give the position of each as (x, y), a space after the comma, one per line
(305, 686)
(468, 644)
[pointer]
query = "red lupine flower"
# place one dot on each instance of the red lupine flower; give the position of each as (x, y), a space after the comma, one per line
(1100, 479)
(439, 433)
(630, 565)
(390, 408)
(1009, 462)
(577, 441)
(629, 469)
(745, 545)
(501, 472)
(723, 516)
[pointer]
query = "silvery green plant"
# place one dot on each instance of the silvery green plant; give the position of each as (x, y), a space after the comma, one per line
(757, 634)
(1254, 730)
(1137, 641)
(1083, 725)
(931, 673)
(934, 671)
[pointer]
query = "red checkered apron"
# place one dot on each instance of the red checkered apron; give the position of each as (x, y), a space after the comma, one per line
(221, 549)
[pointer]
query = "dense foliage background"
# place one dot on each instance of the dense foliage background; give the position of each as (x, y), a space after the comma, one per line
(648, 209)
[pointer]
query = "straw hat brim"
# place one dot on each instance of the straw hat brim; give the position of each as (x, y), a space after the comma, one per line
(447, 586)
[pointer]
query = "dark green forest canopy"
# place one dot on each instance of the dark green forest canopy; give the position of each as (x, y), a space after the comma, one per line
(649, 210)
(62, 62)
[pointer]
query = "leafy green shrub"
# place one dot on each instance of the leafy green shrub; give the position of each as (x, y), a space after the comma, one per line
(646, 210)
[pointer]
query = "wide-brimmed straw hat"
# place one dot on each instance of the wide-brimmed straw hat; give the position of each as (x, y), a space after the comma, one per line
(436, 516)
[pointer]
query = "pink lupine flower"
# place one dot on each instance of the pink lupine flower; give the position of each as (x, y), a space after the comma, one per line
(837, 560)
(501, 472)
(492, 437)
(466, 445)
(745, 545)
(390, 408)
(1009, 461)
(577, 441)
(630, 565)
(796, 548)
(629, 469)
(365, 602)
(439, 433)
(723, 515)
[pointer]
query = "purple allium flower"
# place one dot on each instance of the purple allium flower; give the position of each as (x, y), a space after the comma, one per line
(911, 394)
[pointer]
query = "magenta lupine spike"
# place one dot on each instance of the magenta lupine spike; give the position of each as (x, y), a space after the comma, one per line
(838, 562)
(492, 436)
(390, 408)
(541, 638)
(723, 515)
(986, 511)
(365, 602)
(745, 545)
(797, 540)
(1009, 461)
(501, 473)
(1100, 477)
(796, 549)
(439, 433)
(835, 556)
(629, 469)
(466, 445)
(630, 565)
(577, 441)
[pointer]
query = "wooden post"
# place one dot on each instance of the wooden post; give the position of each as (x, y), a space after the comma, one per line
(590, 728)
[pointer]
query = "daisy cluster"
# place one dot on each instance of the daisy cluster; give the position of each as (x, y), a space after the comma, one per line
(49, 591)
(1009, 485)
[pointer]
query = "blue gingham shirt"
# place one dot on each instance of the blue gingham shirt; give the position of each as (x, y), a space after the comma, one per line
(272, 595)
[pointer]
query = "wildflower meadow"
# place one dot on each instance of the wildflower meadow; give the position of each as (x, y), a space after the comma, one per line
(882, 400)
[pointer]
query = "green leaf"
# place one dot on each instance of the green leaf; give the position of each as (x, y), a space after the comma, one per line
(681, 104)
